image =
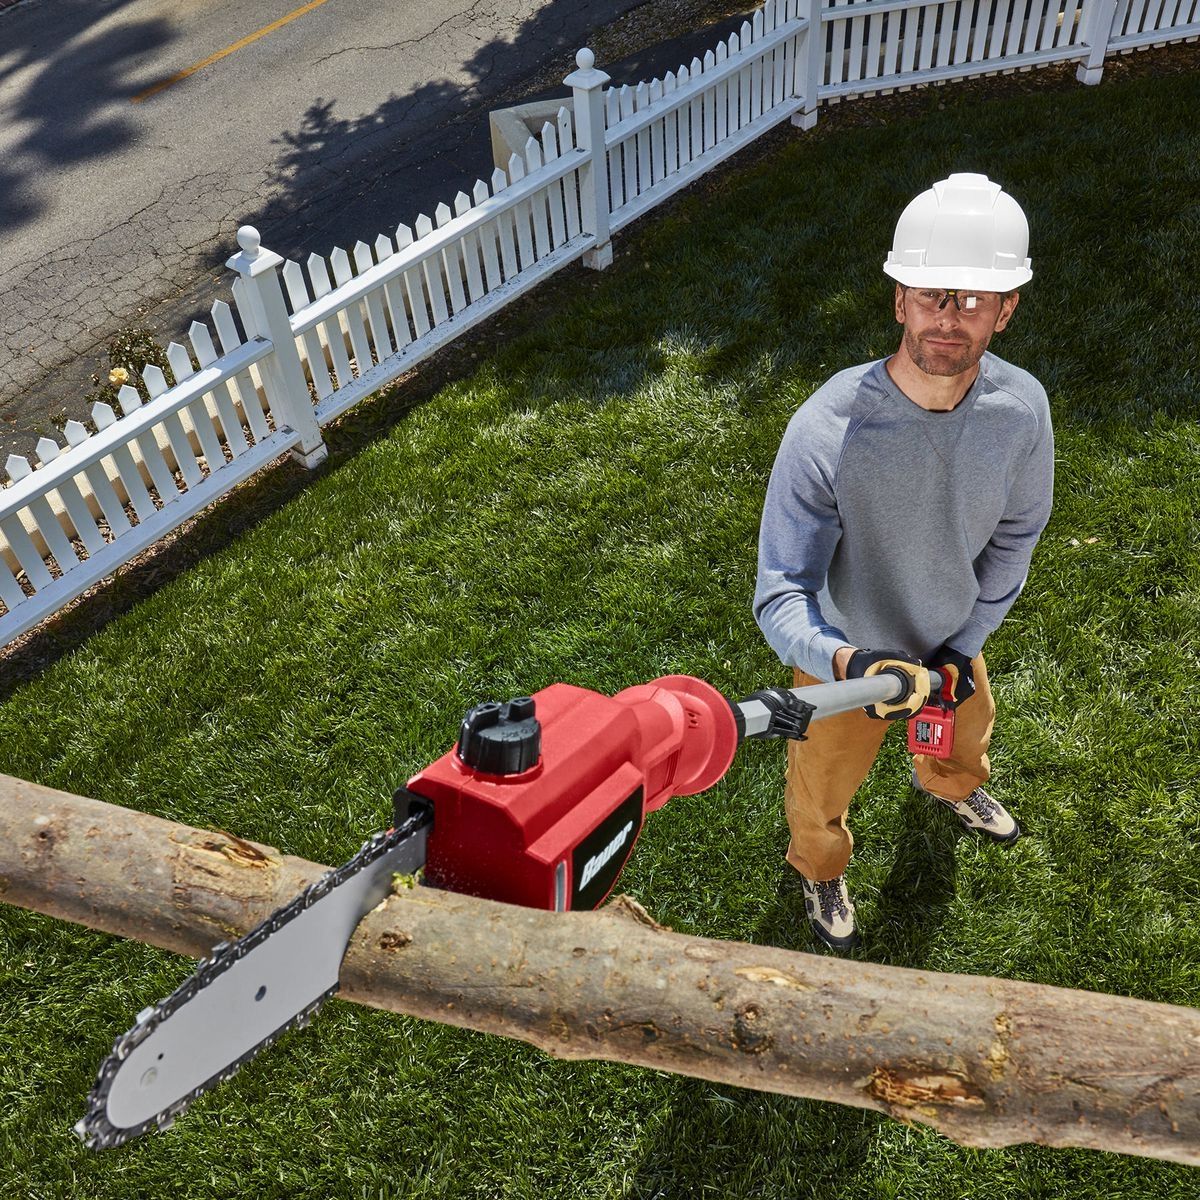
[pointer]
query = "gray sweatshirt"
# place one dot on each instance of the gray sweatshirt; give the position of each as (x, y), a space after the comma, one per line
(892, 527)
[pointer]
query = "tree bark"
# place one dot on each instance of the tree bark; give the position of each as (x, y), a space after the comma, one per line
(988, 1062)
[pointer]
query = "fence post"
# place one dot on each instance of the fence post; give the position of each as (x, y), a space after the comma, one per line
(811, 67)
(282, 371)
(1096, 28)
(589, 135)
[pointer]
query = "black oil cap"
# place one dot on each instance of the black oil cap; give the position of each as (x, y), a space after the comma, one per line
(501, 739)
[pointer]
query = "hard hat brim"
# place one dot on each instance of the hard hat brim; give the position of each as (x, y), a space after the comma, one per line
(981, 279)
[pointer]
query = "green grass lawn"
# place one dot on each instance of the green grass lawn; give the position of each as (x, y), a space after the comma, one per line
(584, 507)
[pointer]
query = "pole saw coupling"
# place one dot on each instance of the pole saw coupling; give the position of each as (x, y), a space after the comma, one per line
(774, 712)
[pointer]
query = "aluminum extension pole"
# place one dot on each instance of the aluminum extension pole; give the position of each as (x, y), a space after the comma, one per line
(829, 699)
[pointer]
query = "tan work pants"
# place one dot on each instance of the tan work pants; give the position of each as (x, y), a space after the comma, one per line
(825, 771)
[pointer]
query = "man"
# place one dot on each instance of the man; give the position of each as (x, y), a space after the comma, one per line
(902, 512)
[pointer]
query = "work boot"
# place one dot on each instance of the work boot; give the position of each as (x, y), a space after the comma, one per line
(829, 909)
(979, 812)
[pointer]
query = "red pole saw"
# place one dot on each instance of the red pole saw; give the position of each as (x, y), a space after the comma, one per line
(539, 803)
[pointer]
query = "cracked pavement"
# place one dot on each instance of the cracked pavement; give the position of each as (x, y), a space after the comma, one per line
(334, 127)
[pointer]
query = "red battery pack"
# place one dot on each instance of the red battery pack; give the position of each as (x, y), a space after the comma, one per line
(931, 732)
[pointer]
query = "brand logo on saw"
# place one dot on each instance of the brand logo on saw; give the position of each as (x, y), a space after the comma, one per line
(593, 864)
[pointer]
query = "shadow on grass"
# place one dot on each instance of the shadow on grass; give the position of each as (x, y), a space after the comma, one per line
(912, 902)
(730, 1134)
(213, 531)
(712, 1131)
(920, 886)
(36, 652)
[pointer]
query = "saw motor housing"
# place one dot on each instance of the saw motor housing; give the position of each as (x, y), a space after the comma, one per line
(542, 799)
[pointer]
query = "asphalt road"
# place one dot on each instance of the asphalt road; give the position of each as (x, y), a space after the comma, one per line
(119, 207)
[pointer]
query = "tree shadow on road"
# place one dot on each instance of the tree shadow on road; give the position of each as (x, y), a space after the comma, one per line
(66, 109)
(341, 178)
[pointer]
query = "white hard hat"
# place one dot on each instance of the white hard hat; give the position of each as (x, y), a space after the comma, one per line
(964, 232)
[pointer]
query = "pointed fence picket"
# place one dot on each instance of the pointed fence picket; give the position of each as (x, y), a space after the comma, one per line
(151, 450)
(367, 317)
(522, 215)
(1145, 22)
(661, 136)
(397, 303)
(223, 398)
(89, 506)
(244, 384)
(570, 182)
(537, 203)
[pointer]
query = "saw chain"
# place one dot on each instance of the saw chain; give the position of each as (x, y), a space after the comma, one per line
(95, 1128)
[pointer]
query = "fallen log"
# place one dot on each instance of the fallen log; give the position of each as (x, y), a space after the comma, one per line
(988, 1062)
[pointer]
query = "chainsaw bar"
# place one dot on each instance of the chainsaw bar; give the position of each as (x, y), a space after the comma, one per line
(156, 1068)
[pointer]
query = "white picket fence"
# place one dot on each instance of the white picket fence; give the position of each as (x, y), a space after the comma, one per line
(318, 338)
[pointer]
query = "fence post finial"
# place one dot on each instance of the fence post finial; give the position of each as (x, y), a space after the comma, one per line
(587, 85)
(250, 240)
(282, 371)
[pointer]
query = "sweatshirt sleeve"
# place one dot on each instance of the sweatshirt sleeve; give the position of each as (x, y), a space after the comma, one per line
(1002, 567)
(800, 530)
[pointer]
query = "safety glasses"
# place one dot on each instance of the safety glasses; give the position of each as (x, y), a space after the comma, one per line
(970, 304)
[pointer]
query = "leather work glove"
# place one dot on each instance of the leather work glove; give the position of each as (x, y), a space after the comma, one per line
(865, 663)
(958, 677)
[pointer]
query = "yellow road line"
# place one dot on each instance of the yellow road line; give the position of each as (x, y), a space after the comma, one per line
(220, 54)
